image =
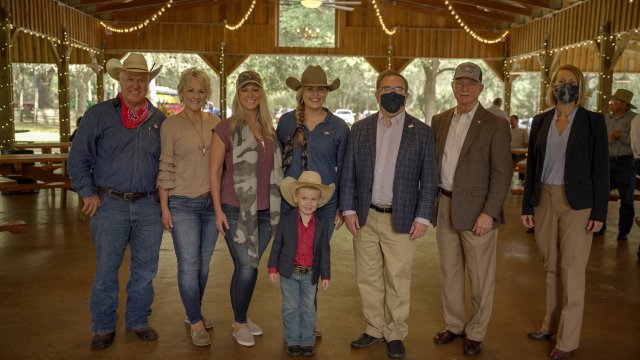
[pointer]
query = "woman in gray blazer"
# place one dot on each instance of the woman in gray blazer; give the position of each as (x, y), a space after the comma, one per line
(565, 198)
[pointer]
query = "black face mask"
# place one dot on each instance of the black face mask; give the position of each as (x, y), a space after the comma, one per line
(567, 93)
(392, 102)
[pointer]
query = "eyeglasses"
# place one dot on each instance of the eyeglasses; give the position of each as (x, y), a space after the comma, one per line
(390, 89)
(470, 85)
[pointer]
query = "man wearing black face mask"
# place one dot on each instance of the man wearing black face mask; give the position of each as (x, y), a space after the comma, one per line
(474, 164)
(387, 194)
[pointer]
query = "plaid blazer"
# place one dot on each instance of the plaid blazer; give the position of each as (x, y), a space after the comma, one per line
(414, 184)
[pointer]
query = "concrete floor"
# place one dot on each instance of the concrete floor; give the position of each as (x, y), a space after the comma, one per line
(46, 274)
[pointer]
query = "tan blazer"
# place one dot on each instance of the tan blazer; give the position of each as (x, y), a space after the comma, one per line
(484, 170)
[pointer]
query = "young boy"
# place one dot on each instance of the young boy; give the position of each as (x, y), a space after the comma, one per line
(300, 254)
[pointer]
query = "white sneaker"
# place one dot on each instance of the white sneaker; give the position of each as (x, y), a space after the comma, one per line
(208, 324)
(253, 328)
(200, 337)
(243, 336)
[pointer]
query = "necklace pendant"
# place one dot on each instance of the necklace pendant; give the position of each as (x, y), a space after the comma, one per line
(204, 150)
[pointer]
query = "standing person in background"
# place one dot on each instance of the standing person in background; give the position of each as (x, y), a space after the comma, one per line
(635, 146)
(474, 164)
(565, 197)
(622, 175)
(185, 199)
(496, 109)
(113, 165)
(388, 191)
(246, 171)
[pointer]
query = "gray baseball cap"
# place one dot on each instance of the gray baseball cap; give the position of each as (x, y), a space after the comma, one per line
(468, 70)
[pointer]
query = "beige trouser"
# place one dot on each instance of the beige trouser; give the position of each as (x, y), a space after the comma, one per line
(565, 244)
(383, 274)
(478, 253)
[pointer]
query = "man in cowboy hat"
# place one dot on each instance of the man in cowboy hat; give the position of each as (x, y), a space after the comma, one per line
(621, 171)
(387, 194)
(113, 165)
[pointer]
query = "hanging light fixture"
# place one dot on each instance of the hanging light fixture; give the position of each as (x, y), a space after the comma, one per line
(311, 4)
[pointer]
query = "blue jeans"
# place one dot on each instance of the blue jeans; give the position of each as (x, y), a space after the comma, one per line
(244, 275)
(194, 238)
(298, 309)
(327, 213)
(119, 222)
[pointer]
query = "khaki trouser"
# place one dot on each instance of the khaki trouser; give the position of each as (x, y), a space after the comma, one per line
(457, 249)
(383, 273)
(565, 244)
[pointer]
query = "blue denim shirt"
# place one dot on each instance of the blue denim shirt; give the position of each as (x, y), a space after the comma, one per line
(326, 146)
(106, 154)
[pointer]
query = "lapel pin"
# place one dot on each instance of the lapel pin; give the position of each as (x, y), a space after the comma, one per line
(410, 126)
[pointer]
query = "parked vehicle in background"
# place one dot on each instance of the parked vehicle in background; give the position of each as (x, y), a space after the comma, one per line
(346, 115)
(280, 113)
(525, 123)
(367, 113)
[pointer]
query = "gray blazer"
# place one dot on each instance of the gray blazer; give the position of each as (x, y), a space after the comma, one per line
(414, 184)
(484, 170)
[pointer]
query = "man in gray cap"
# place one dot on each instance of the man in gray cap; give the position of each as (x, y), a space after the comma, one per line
(474, 163)
(113, 166)
(621, 172)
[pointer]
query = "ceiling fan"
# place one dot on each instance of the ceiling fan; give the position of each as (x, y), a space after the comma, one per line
(335, 4)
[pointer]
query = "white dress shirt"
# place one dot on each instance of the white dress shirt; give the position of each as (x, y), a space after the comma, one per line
(455, 139)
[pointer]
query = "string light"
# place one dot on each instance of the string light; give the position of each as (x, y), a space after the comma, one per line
(244, 18)
(384, 27)
(141, 25)
(473, 33)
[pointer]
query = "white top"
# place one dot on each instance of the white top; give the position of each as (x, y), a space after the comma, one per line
(455, 139)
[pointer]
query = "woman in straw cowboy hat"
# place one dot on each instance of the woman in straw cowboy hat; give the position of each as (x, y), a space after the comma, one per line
(246, 195)
(113, 166)
(313, 138)
(185, 199)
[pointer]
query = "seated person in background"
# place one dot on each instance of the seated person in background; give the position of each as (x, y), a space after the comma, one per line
(519, 136)
(73, 134)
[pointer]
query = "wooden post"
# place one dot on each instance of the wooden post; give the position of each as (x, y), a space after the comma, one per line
(7, 126)
(100, 76)
(63, 53)
(546, 59)
(606, 49)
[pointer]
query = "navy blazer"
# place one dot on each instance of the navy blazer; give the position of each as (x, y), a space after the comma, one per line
(285, 246)
(414, 185)
(586, 167)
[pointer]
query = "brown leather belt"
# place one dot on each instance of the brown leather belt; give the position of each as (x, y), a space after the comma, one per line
(302, 269)
(446, 193)
(384, 210)
(126, 196)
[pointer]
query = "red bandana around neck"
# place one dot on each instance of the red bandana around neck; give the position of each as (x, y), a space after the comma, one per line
(131, 119)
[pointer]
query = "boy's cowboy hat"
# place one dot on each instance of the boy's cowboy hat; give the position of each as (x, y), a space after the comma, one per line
(312, 76)
(289, 186)
(135, 62)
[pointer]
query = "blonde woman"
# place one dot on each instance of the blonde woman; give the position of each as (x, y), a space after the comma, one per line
(246, 170)
(185, 200)
(565, 197)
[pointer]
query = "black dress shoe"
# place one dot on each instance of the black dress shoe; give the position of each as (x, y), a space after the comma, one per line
(146, 334)
(471, 347)
(539, 335)
(295, 350)
(308, 351)
(365, 340)
(559, 355)
(622, 237)
(446, 337)
(102, 340)
(395, 349)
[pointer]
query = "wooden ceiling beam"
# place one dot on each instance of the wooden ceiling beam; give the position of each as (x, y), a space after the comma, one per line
(429, 6)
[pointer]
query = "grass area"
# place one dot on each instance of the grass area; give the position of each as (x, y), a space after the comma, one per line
(41, 127)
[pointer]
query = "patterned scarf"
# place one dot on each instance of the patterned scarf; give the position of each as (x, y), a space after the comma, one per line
(245, 183)
(131, 119)
(288, 146)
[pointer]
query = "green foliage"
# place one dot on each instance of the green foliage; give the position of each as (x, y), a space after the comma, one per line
(302, 27)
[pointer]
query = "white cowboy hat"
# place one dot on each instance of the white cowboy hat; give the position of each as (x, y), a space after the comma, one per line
(289, 186)
(135, 62)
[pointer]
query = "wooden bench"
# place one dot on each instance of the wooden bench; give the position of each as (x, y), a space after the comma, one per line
(14, 226)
